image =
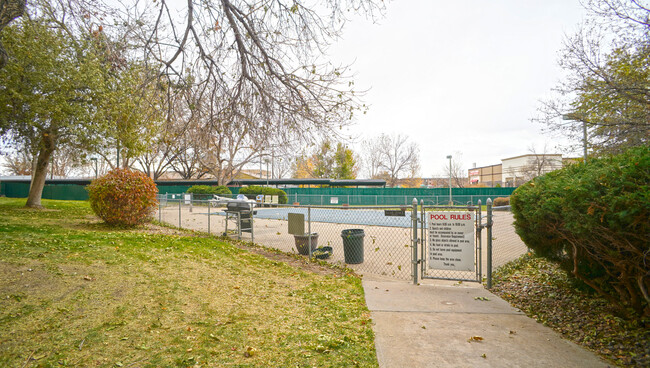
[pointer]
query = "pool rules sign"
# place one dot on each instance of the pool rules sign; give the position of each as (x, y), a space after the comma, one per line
(451, 241)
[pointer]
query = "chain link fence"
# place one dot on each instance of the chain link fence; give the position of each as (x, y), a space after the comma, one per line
(374, 240)
(383, 200)
(506, 244)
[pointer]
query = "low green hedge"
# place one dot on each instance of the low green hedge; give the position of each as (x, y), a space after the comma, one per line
(593, 219)
(251, 191)
(501, 201)
(202, 192)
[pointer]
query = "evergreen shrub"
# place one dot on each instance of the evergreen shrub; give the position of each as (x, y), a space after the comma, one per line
(501, 201)
(594, 220)
(203, 192)
(123, 197)
(251, 191)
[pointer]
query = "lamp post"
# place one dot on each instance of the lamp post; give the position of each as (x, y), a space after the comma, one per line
(451, 201)
(94, 159)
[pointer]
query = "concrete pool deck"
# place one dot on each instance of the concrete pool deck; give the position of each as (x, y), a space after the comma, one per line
(388, 249)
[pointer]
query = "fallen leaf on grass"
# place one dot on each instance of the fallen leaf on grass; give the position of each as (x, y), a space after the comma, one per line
(88, 278)
(250, 351)
(475, 338)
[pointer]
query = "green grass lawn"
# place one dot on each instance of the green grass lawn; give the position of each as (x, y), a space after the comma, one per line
(74, 292)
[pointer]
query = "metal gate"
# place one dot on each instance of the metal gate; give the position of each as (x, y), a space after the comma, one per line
(448, 242)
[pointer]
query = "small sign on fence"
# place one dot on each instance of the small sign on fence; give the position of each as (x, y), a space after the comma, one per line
(396, 213)
(451, 241)
(334, 200)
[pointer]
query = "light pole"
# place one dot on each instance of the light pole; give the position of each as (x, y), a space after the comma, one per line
(94, 159)
(451, 201)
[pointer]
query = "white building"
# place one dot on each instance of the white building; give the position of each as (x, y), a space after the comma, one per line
(520, 169)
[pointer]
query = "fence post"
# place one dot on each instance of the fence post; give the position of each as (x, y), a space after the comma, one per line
(489, 243)
(423, 222)
(252, 223)
(479, 229)
(191, 201)
(180, 201)
(309, 229)
(160, 210)
(208, 217)
(414, 218)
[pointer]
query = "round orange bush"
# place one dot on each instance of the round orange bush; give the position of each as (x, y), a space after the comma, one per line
(123, 197)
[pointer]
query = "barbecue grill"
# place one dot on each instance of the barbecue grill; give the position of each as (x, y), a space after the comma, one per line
(241, 214)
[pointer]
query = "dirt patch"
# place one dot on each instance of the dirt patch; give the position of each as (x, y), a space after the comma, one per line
(294, 260)
(298, 261)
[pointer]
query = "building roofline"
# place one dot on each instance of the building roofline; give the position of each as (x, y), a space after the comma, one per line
(531, 154)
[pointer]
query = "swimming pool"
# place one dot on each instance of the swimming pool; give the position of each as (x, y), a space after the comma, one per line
(339, 216)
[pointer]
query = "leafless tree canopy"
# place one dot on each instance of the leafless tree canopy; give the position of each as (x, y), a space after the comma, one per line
(459, 178)
(254, 70)
(240, 77)
(391, 157)
(257, 67)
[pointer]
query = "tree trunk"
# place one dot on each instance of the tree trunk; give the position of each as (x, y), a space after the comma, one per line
(40, 174)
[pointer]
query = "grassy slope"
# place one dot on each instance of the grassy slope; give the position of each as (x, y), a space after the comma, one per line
(75, 293)
(545, 292)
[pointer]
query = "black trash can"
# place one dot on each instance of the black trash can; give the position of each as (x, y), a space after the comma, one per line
(353, 245)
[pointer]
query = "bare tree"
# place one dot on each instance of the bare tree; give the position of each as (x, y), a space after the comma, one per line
(371, 157)
(395, 157)
(260, 65)
(283, 158)
(459, 177)
(262, 61)
(539, 164)
(19, 162)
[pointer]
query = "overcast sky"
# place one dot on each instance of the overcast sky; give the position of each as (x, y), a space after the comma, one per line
(462, 76)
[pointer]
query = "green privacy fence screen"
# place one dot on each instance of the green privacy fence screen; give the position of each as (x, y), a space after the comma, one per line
(393, 196)
(75, 190)
(50, 191)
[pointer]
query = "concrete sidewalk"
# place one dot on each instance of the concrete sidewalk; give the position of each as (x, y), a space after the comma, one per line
(429, 326)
